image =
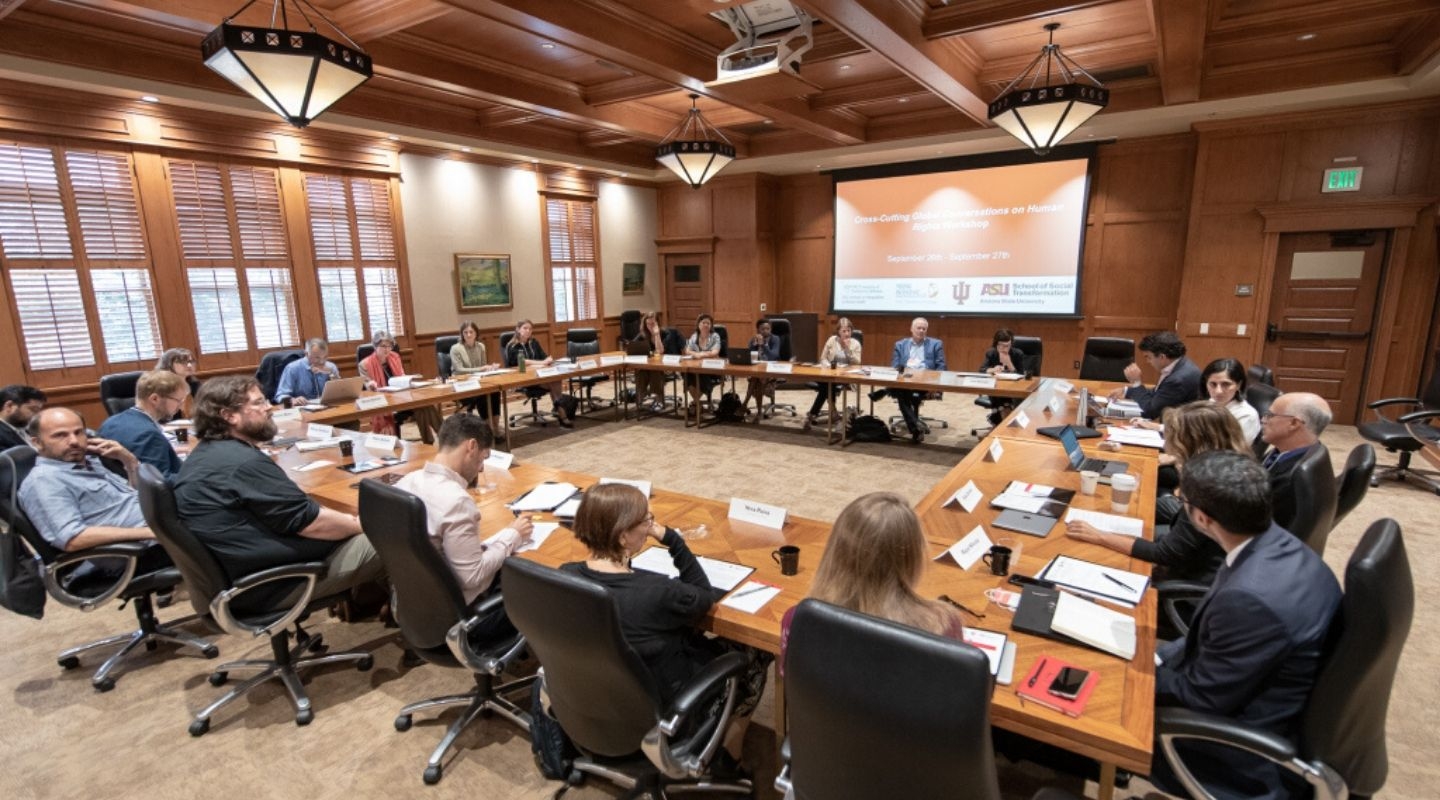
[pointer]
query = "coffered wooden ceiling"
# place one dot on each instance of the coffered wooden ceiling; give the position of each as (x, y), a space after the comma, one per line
(604, 80)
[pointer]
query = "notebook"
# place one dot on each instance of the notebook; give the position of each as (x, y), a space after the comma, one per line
(1093, 624)
(1035, 687)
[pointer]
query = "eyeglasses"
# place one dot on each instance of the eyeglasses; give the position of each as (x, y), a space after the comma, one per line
(647, 521)
(1268, 415)
(178, 400)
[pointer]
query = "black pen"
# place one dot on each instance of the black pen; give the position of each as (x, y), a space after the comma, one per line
(1031, 683)
(961, 606)
(1118, 582)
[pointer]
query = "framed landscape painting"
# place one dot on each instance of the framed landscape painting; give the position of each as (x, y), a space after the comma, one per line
(633, 280)
(482, 282)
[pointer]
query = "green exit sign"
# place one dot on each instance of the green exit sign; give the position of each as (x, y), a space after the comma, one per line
(1346, 179)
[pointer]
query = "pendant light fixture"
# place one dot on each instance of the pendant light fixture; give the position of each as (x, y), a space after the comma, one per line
(1047, 101)
(695, 150)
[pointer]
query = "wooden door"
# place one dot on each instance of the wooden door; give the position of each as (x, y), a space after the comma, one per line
(1322, 309)
(687, 290)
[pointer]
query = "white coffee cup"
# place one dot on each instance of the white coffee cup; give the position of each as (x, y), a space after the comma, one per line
(1089, 481)
(1122, 486)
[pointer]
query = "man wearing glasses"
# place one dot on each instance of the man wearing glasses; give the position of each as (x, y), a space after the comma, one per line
(1291, 427)
(159, 394)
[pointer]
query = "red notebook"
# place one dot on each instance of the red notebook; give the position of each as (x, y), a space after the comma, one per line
(1035, 687)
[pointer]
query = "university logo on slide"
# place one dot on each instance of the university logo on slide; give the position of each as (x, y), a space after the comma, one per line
(995, 290)
(961, 292)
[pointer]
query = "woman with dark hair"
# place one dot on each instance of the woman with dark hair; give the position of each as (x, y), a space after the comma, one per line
(650, 383)
(1224, 381)
(468, 357)
(703, 343)
(525, 345)
(378, 368)
(1002, 356)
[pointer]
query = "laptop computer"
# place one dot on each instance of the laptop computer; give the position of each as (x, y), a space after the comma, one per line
(341, 390)
(739, 356)
(638, 347)
(1024, 522)
(1079, 462)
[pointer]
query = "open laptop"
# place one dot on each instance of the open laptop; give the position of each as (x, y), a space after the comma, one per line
(341, 390)
(739, 356)
(638, 347)
(1079, 462)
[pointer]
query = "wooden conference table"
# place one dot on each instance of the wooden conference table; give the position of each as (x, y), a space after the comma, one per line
(1117, 726)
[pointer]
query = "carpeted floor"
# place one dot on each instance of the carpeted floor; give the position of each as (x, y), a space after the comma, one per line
(63, 740)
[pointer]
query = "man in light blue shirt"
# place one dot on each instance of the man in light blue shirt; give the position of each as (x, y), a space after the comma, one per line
(917, 352)
(304, 379)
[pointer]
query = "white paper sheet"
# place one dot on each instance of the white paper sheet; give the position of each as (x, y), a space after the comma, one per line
(1110, 523)
(1140, 437)
(313, 465)
(751, 596)
(545, 497)
(723, 575)
(538, 536)
(1095, 579)
(311, 445)
(568, 509)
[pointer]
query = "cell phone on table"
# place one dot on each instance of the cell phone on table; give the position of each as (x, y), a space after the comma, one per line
(1069, 682)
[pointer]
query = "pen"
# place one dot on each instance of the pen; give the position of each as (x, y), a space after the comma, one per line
(1031, 683)
(946, 598)
(1118, 582)
(762, 587)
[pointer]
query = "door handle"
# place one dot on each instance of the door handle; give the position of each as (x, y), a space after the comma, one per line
(1272, 332)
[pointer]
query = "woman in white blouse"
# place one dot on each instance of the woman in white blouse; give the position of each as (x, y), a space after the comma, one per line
(841, 350)
(1224, 381)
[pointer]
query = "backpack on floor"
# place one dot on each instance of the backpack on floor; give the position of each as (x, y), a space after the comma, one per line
(868, 428)
(730, 409)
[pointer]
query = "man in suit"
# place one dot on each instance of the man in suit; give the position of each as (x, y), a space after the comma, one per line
(1179, 381)
(1257, 637)
(917, 352)
(18, 404)
(1291, 427)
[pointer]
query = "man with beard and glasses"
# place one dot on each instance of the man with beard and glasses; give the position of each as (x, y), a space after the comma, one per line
(241, 505)
(18, 405)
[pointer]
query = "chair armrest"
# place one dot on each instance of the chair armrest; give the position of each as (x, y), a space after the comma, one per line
(694, 754)
(1420, 416)
(1376, 405)
(1179, 724)
(129, 551)
(308, 572)
(703, 684)
(492, 661)
(1172, 593)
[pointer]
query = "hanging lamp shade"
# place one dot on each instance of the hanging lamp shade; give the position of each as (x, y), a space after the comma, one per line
(695, 150)
(1049, 100)
(297, 74)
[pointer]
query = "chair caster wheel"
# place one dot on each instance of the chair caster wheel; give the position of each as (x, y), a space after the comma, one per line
(219, 678)
(365, 664)
(151, 645)
(69, 662)
(574, 777)
(199, 727)
(104, 684)
(211, 652)
(432, 775)
(1374, 483)
(403, 722)
(304, 717)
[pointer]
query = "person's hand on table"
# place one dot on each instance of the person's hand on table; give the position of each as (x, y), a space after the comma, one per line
(1132, 373)
(298, 400)
(1082, 531)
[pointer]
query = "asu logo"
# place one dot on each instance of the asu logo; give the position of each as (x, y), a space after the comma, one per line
(995, 290)
(961, 293)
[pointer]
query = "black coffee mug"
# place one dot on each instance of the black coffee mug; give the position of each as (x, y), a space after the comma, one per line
(347, 448)
(999, 560)
(182, 435)
(788, 557)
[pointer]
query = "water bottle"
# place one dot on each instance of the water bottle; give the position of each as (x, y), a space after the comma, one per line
(521, 362)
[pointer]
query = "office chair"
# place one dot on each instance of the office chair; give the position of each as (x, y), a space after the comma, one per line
(1260, 396)
(708, 383)
(581, 342)
(1259, 373)
(629, 327)
(1106, 358)
(213, 596)
(271, 367)
(531, 393)
(780, 327)
(434, 619)
(1340, 747)
(94, 588)
(117, 391)
(363, 352)
(1029, 365)
(605, 698)
(1399, 435)
(849, 675)
(1354, 480)
(442, 355)
(1315, 499)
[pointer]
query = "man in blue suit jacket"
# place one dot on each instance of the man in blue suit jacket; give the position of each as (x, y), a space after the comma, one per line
(1179, 381)
(917, 352)
(1257, 637)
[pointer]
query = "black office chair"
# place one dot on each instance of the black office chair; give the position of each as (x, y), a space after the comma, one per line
(99, 583)
(1315, 499)
(604, 697)
(629, 327)
(213, 594)
(434, 619)
(1409, 433)
(1340, 749)
(117, 391)
(1260, 396)
(271, 367)
(363, 352)
(532, 393)
(442, 355)
(780, 327)
(1106, 358)
(1354, 480)
(579, 343)
(1259, 373)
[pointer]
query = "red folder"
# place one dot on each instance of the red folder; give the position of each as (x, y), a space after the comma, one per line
(1035, 687)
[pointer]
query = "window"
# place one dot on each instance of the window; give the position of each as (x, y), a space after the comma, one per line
(70, 218)
(570, 251)
(237, 262)
(359, 272)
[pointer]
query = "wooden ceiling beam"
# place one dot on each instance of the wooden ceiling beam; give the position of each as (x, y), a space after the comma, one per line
(623, 90)
(892, 31)
(969, 16)
(1319, 16)
(1180, 36)
(1419, 45)
(873, 92)
(1093, 56)
(367, 20)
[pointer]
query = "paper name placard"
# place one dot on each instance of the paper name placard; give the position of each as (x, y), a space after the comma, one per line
(1057, 403)
(636, 359)
(968, 550)
(995, 451)
(379, 441)
(470, 385)
(610, 361)
(759, 513)
(670, 361)
(1064, 387)
(712, 363)
(968, 496)
(372, 402)
(884, 373)
(588, 363)
(973, 382)
(547, 372)
(784, 367)
(1021, 420)
(499, 459)
(286, 415)
(317, 431)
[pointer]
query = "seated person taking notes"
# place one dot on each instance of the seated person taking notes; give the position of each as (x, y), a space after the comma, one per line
(915, 353)
(159, 395)
(303, 380)
(1002, 356)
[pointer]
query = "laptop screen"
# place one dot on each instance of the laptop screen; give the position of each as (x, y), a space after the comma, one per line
(1072, 447)
(638, 347)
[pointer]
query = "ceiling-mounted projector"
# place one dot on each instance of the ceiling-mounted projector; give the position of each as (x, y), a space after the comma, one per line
(771, 35)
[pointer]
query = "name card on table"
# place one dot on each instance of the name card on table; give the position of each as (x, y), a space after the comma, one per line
(380, 441)
(611, 361)
(712, 363)
(637, 360)
(758, 513)
(372, 402)
(968, 496)
(976, 382)
(1057, 403)
(547, 372)
(499, 459)
(317, 431)
(1063, 387)
(670, 361)
(782, 367)
(471, 385)
(286, 415)
(995, 451)
(588, 363)
(1022, 420)
(885, 373)
(968, 550)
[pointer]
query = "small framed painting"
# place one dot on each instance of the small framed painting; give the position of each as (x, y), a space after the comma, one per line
(633, 279)
(482, 282)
